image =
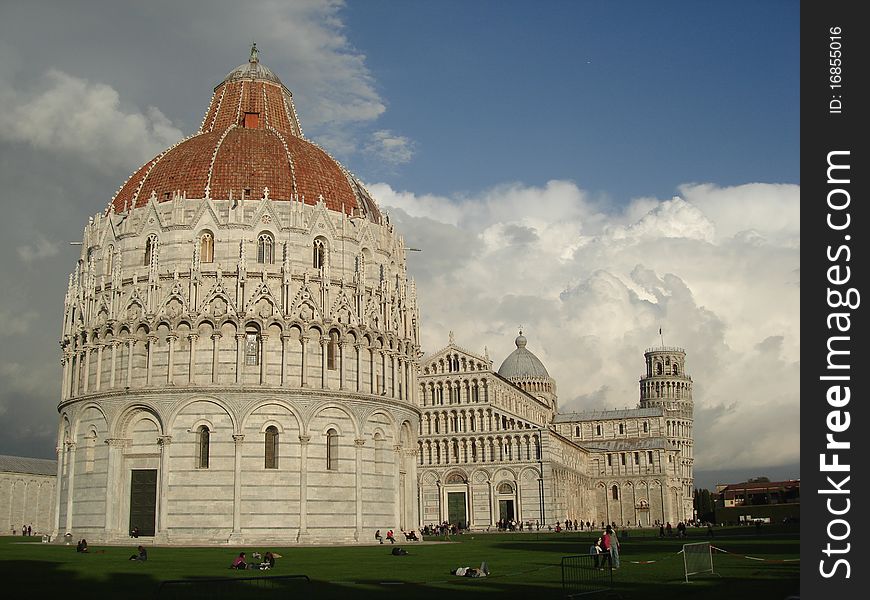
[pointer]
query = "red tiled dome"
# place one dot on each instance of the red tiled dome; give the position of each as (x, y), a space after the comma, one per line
(249, 140)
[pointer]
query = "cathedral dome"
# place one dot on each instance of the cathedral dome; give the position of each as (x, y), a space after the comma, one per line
(522, 364)
(250, 145)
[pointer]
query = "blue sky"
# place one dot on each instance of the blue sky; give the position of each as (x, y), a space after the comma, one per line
(532, 150)
(626, 98)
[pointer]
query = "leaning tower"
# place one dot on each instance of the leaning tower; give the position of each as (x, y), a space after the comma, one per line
(667, 385)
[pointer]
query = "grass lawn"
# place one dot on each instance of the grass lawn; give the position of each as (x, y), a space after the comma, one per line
(521, 564)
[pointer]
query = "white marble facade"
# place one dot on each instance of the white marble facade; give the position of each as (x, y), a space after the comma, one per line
(159, 344)
(492, 445)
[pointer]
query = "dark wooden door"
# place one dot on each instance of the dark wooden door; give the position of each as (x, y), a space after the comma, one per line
(143, 500)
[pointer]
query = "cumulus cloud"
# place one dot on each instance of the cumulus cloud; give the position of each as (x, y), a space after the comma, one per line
(389, 147)
(66, 114)
(592, 284)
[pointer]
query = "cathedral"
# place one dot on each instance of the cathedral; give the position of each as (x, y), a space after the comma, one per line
(494, 447)
(241, 361)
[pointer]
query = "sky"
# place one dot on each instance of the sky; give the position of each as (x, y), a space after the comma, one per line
(590, 171)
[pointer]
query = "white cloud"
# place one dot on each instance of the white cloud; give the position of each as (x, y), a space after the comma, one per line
(389, 147)
(592, 286)
(39, 249)
(73, 116)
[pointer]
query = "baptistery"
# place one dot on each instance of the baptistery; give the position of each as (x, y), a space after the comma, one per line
(240, 344)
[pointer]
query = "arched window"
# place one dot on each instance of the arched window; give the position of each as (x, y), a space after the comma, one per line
(676, 369)
(577, 431)
(319, 252)
(252, 346)
(615, 491)
(645, 427)
(202, 447)
(649, 456)
(621, 429)
(206, 247)
(332, 351)
(108, 259)
(265, 249)
(598, 430)
(271, 450)
(658, 368)
(332, 450)
(151, 245)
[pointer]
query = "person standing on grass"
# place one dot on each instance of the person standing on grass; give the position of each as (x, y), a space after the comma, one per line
(606, 545)
(614, 547)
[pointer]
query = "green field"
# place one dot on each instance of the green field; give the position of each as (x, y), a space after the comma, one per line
(521, 564)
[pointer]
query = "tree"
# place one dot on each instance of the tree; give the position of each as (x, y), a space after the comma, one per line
(703, 503)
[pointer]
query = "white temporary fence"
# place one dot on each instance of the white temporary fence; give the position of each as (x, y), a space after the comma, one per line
(697, 558)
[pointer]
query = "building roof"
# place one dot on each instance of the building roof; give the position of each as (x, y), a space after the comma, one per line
(604, 415)
(22, 464)
(522, 364)
(250, 141)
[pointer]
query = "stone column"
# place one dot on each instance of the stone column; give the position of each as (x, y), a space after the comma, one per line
(170, 340)
(162, 527)
(97, 384)
(304, 376)
(392, 374)
(358, 347)
(114, 487)
(64, 390)
(341, 346)
(261, 353)
(303, 488)
(114, 363)
(403, 384)
(359, 444)
(238, 439)
(215, 353)
(87, 368)
(324, 373)
(152, 340)
(71, 472)
(285, 355)
(493, 504)
(192, 338)
(240, 344)
(130, 343)
(60, 457)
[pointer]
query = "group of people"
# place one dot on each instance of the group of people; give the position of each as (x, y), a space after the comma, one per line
(265, 561)
(605, 549)
(25, 530)
(666, 529)
(444, 528)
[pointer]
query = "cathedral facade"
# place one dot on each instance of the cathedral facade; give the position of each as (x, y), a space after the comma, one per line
(493, 446)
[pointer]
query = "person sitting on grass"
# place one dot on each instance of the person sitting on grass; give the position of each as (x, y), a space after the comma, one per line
(82, 545)
(268, 561)
(239, 562)
(391, 537)
(140, 555)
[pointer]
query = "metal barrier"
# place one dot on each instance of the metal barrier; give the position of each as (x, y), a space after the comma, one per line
(235, 588)
(585, 574)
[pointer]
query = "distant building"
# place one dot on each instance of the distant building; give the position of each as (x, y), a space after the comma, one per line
(27, 487)
(493, 446)
(758, 498)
